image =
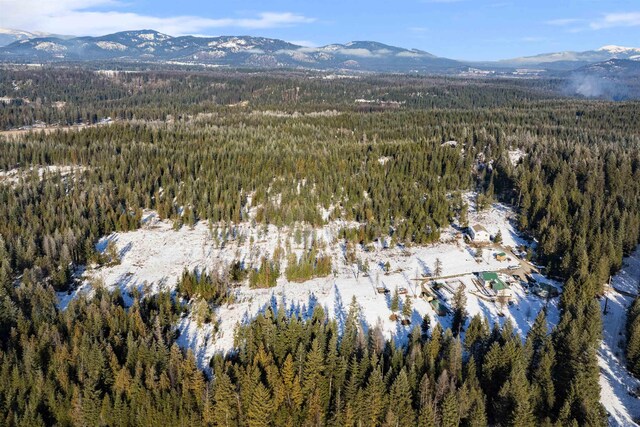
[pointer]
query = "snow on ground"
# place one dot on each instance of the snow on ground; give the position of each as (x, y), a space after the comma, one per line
(13, 176)
(497, 217)
(515, 156)
(154, 257)
(335, 295)
(111, 45)
(615, 381)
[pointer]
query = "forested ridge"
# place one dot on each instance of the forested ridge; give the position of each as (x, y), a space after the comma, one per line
(180, 149)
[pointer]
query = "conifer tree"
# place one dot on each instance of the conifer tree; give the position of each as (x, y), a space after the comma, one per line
(449, 414)
(400, 409)
(407, 308)
(459, 310)
(261, 408)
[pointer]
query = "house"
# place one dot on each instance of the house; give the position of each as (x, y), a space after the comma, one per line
(501, 289)
(490, 279)
(486, 277)
(479, 234)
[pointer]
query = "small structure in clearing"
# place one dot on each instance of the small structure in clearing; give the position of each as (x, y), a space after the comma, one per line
(438, 307)
(501, 256)
(491, 280)
(427, 293)
(479, 234)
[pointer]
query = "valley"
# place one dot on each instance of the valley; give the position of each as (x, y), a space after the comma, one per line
(446, 247)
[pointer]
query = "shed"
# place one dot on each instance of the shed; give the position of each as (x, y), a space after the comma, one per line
(438, 307)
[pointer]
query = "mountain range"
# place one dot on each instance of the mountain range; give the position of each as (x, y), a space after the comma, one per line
(8, 36)
(247, 51)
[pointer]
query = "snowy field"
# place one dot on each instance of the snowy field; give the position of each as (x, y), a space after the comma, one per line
(154, 257)
(14, 176)
(616, 382)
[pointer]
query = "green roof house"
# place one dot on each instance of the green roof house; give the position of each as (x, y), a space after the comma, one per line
(486, 277)
(498, 285)
(491, 280)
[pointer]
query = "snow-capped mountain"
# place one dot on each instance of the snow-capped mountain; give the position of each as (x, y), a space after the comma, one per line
(572, 60)
(620, 50)
(8, 36)
(238, 51)
(247, 51)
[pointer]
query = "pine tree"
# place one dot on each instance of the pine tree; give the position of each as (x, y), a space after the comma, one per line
(476, 414)
(437, 270)
(515, 397)
(459, 310)
(400, 408)
(476, 336)
(407, 308)
(261, 408)
(449, 414)
(395, 302)
(225, 408)
(425, 326)
(375, 397)
(292, 387)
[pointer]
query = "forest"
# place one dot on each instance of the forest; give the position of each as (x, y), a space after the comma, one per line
(211, 146)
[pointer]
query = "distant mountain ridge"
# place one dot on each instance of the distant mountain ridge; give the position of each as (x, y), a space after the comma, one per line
(573, 59)
(149, 45)
(249, 51)
(8, 35)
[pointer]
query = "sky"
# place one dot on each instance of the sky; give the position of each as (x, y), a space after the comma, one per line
(458, 29)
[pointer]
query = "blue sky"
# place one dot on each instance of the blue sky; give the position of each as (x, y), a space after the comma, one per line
(460, 29)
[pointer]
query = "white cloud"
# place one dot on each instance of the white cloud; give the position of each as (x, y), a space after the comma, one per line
(363, 53)
(563, 22)
(610, 20)
(409, 54)
(80, 17)
(533, 39)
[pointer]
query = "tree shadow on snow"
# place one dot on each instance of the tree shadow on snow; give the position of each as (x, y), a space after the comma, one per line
(125, 249)
(338, 309)
(102, 244)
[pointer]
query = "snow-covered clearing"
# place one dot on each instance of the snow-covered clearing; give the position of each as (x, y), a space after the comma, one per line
(153, 258)
(14, 176)
(616, 382)
(515, 156)
(498, 217)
